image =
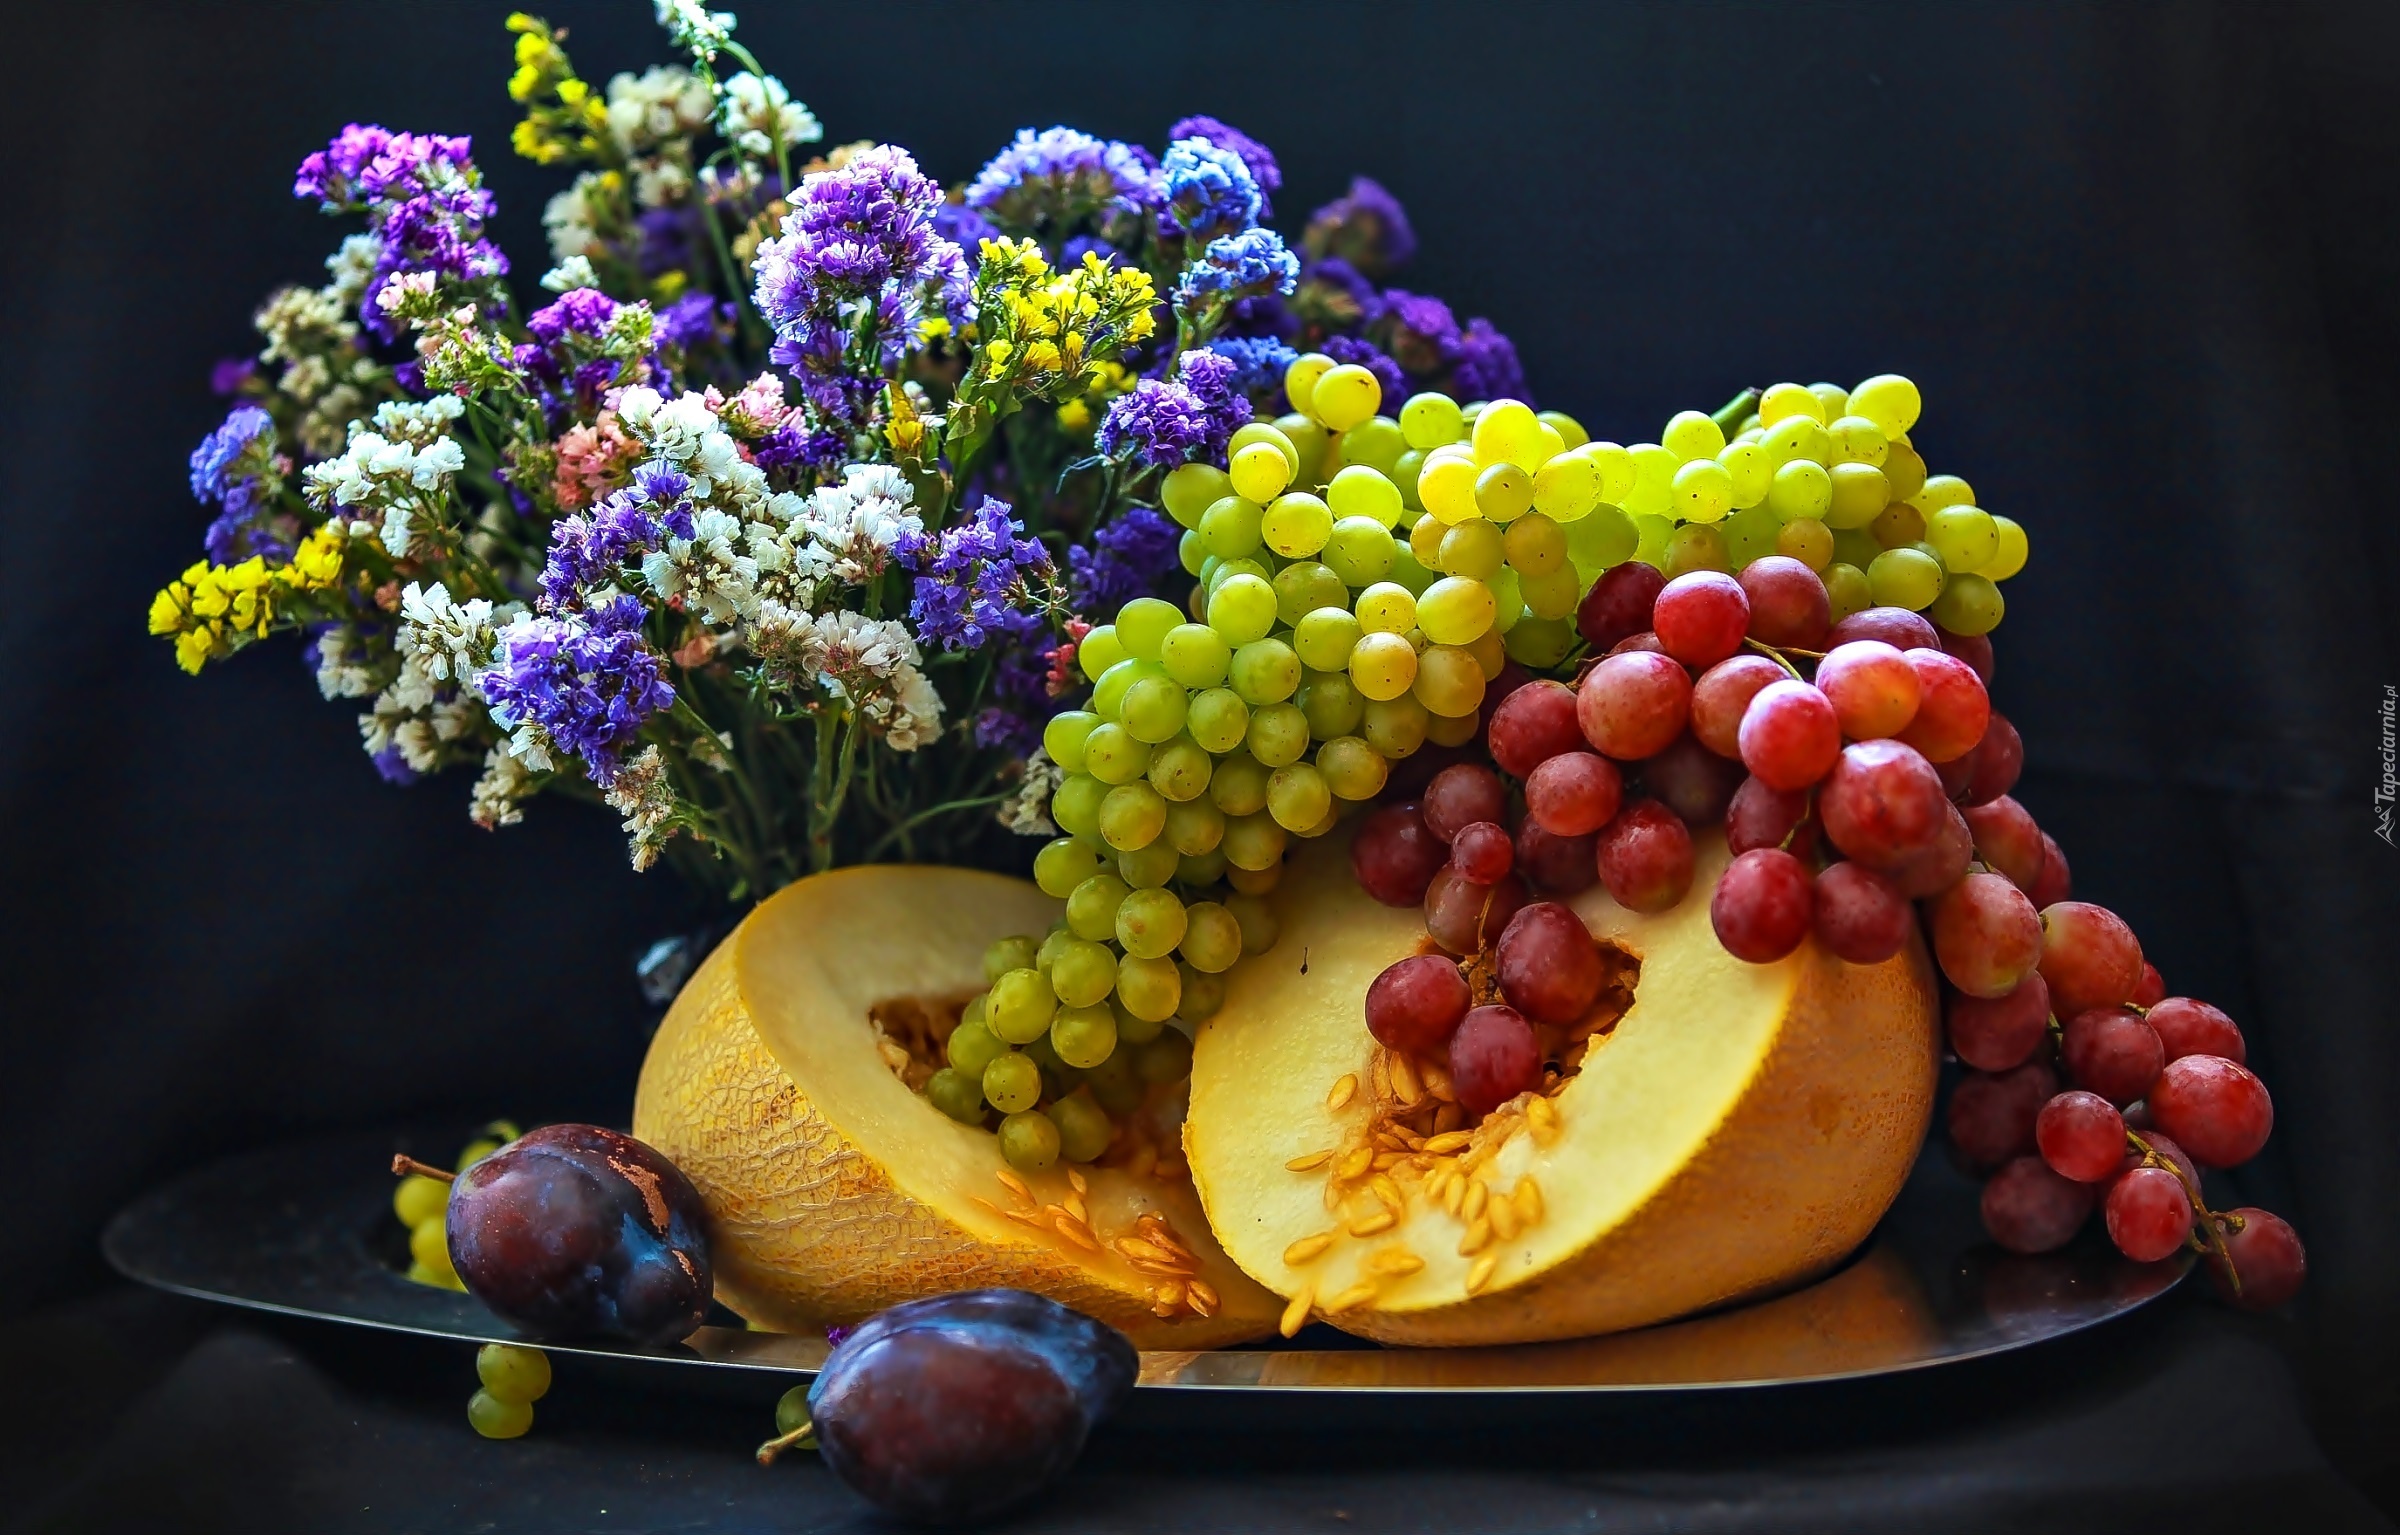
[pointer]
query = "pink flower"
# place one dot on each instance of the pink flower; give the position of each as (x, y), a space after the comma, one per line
(592, 461)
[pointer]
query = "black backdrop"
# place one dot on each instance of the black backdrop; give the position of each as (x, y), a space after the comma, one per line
(2142, 261)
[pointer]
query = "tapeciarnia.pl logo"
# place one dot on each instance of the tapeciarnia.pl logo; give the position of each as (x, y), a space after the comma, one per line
(2388, 790)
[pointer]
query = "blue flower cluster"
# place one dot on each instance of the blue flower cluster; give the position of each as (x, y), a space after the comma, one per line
(1125, 559)
(230, 468)
(586, 678)
(971, 579)
(1164, 422)
(422, 197)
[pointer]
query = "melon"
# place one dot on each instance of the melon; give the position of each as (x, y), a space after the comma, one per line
(777, 1083)
(1722, 1132)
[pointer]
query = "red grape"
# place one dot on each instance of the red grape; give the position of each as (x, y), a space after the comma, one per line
(1692, 781)
(1493, 1057)
(2081, 1136)
(1986, 935)
(1722, 694)
(2057, 880)
(2089, 957)
(1933, 869)
(1700, 618)
(1646, 642)
(2153, 991)
(2219, 1111)
(2007, 839)
(2111, 1051)
(1394, 856)
(2161, 1146)
(2188, 1027)
(1645, 857)
(1974, 649)
(1760, 816)
(1633, 705)
(1790, 735)
(1549, 968)
(1896, 627)
(1788, 605)
(2027, 1208)
(1533, 724)
(1463, 916)
(2149, 1213)
(1991, 1117)
(1763, 906)
(1574, 793)
(1860, 915)
(1619, 604)
(1997, 761)
(1558, 865)
(1416, 1003)
(1461, 795)
(2267, 1257)
(1483, 853)
(1995, 1033)
(1504, 687)
(1958, 776)
(1881, 802)
(1873, 688)
(1952, 707)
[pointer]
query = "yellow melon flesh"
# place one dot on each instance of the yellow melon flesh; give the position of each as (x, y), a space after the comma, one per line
(1740, 1131)
(833, 1189)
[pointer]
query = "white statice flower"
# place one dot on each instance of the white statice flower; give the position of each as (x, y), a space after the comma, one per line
(449, 640)
(301, 324)
(571, 273)
(642, 795)
(660, 183)
(350, 267)
(570, 223)
(422, 728)
(707, 572)
(1027, 812)
(909, 713)
(506, 781)
(343, 667)
(791, 564)
(663, 102)
(693, 26)
(398, 473)
(856, 524)
(869, 663)
(759, 115)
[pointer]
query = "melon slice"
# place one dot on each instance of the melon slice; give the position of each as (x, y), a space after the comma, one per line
(834, 1190)
(1734, 1131)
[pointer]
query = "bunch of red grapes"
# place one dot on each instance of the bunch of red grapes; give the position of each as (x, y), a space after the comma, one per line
(1862, 779)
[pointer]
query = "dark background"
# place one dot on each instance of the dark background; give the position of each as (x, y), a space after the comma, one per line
(2142, 261)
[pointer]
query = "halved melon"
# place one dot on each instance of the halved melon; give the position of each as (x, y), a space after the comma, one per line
(834, 1190)
(1738, 1130)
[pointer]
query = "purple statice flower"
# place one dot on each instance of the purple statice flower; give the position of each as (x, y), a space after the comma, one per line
(587, 679)
(1333, 295)
(1071, 254)
(1259, 365)
(1257, 158)
(590, 549)
(1206, 191)
(692, 320)
(1370, 356)
(971, 578)
(1124, 560)
(798, 446)
(1423, 333)
(1364, 227)
(584, 311)
(1168, 422)
(1216, 381)
(665, 239)
(391, 765)
(965, 228)
(230, 373)
(1245, 265)
(1060, 179)
(420, 192)
(860, 235)
(1487, 366)
(231, 468)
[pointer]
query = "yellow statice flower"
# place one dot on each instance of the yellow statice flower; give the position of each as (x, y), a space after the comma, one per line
(1050, 330)
(210, 610)
(564, 116)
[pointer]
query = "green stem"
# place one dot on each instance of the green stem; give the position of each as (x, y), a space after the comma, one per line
(900, 831)
(1728, 416)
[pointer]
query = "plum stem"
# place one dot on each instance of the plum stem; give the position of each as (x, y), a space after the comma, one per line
(404, 1165)
(804, 1437)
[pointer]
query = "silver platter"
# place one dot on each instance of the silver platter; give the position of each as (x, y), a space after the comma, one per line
(307, 1231)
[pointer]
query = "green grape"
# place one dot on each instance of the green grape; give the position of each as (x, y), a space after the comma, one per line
(1969, 604)
(1212, 939)
(1230, 527)
(1150, 923)
(1395, 727)
(1083, 1036)
(1058, 1078)
(1254, 841)
(1063, 737)
(1083, 972)
(1855, 546)
(1108, 694)
(1425, 540)
(1570, 431)
(1304, 586)
(1454, 610)
(1147, 868)
(1020, 1004)
(1194, 655)
(1179, 770)
(1191, 552)
(2011, 557)
(1331, 705)
(1536, 644)
(1508, 605)
(1257, 919)
(1149, 988)
(475, 1151)
(1242, 609)
(1012, 1083)
(1452, 730)
(1795, 439)
(1005, 954)
(1114, 1084)
(1405, 470)
(1860, 493)
(1383, 666)
(496, 1418)
(1834, 399)
(1259, 473)
(1800, 489)
(1534, 544)
(1097, 651)
(1408, 573)
(974, 1009)
(1218, 720)
(1324, 638)
(1783, 401)
(1197, 871)
(1749, 534)
(1555, 594)
(1446, 486)
(1449, 683)
(1133, 1029)
(1504, 492)
(429, 1244)
(1365, 491)
(1966, 537)
(1692, 436)
(973, 1046)
(417, 1199)
(1350, 768)
(1254, 881)
(1750, 472)
(1297, 796)
(1143, 623)
(1075, 805)
(1601, 541)
(1278, 734)
(1360, 553)
(1083, 1128)
(1472, 549)
(1905, 470)
(1203, 991)
(1905, 578)
(1651, 535)
(956, 1094)
(1113, 754)
(1375, 443)
(1153, 710)
(1092, 907)
(1189, 490)
(1167, 1058)
(1653, 489)
(1132, 816)
(1431, 418)
(1386, 608)
(1345, 396)
(1696, 546)
(1264, 672)
(1227, 569)
(1897, 526)
(1240, 785)
(1507, 431)
(1568, 487)
(1300, 377)
(1942, 490)
(1308, 438)
(1029, 1140)
(1856, 440)
(512, 1372)
(1808, 541)
(1889, 400)
(1618, 471)
(1296, 525)
(1194, 828)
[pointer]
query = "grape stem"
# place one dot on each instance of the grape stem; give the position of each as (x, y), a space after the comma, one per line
(2204, 1219)
(1728, 416)
(804, 1437)
(1774, 655)
(402, 1166)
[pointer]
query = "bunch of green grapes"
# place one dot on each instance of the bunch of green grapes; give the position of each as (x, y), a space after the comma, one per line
(512, 1378)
